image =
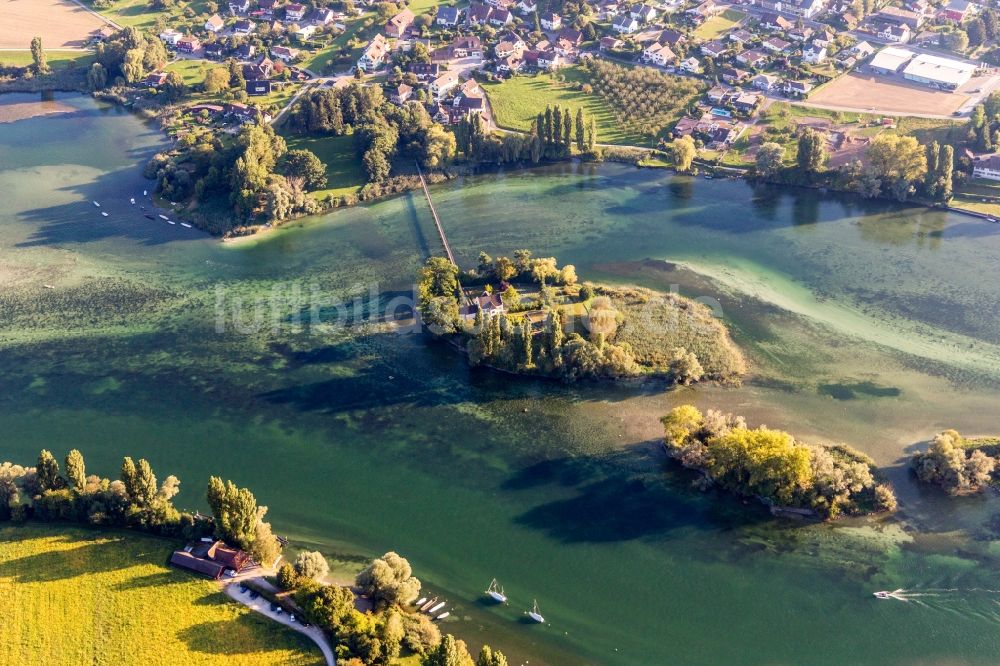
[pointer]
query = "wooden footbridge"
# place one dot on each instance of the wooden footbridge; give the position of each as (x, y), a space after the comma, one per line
(437, 220)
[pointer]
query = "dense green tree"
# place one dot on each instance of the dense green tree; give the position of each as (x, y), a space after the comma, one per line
(683, 152)
(97, 77)
(567, 132)
(487, 657)
(388, 581)
(898, 162)
(450, 652)
(304, 164)
(76, 472)
(581, 133)
(811, 153)
(38, 56)
(769, 159)
(311, 565)
(945, 166)
(47, 471)
(217, 79)
(976, 31)
(235, 512)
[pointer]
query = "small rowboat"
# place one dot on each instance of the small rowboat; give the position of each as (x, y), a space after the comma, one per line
(104, 214)
(144, 193)
(419, 602)
(96, 204)
(428, 604)
(171, 222)
(185, 224)
(164, 217)
(442, 616)
(132, 201)
(436, 608)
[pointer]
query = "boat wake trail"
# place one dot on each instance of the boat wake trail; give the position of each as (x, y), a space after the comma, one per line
(970, 602)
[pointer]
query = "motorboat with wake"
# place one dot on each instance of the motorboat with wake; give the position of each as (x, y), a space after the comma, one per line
(883, 594)
(495, 592)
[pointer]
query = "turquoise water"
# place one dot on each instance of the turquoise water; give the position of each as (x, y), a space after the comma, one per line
(865, 322)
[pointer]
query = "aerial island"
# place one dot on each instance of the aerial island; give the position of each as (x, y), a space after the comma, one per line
(527, 315)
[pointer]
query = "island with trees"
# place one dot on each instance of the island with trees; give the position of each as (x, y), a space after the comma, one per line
(959, 465)
(788, 475)
(526, 315)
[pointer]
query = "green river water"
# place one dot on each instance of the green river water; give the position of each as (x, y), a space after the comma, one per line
(868, 323)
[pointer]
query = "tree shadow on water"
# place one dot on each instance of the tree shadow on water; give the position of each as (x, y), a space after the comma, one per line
(627, 495)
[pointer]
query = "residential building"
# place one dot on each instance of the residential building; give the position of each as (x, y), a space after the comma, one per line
(658, 54)
(527, 6)
(400, 94)
(746, 103)
(551, 21)
(501, 17)
(986, 166)
(896, 34)
(957, 11)
(442, 84)
(239, 6)
(740, 37)
(752, 58)
(691, 66)
(188, 44)
(733, 75)
(804, 8)
(797, 88)
(258, 86)
(284, 53)
(714, 49)
(448, 16)
(295, 12)
(899, 16)
(625, 24)
(170, 37)
(374, 54)
(243, 27)
(610, 43)
(399, 24)
(765, 82)
(478, 14)
(643, 13)
(155, 80)
(215, 23)
(775, 22)
(814, 55)
(776, 44)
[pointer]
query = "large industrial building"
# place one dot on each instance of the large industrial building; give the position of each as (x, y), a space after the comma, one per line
(929, 70)
(939, 72)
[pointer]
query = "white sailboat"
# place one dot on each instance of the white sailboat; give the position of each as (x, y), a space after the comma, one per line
(495, 592)
(535, 615)
(436, 608)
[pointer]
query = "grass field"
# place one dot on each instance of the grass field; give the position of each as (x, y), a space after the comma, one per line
(343, 167)
(719, 24)
(192, 71)
(55, 59)
(140, 14)
(76, 596)
(517, 101)
(58, 22)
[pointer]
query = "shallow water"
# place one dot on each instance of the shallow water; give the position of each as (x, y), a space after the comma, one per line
(867, 323)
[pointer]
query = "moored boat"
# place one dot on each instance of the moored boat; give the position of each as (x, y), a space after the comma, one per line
(185, 224)
(96, 204)
(428, 604)
(164, 217)
(420, 602)
(436, 608)
(535, 615)
(495, 592)
(104, 214)
(442, 616)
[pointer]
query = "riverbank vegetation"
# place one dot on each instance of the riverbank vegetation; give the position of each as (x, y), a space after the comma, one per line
(784, 473)
(390, 629)
(100, 596)
(527, 315)
(959, 465)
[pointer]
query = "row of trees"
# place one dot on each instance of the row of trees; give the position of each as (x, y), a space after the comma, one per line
(897, 166)
(134, 500)
(773, 465)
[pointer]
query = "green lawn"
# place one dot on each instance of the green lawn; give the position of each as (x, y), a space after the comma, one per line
(55, 59)
(517, 101)
(317, 62)
(77, 596)
(140, 14)
(719, 24)
(343, 166)
(192, 71)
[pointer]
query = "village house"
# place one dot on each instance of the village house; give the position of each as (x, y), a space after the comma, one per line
(814, 55)
(155, 79)
(400, 94)
(188, 44)
(911, 20)
(245, 51)
(239, 6)
(609, 43)
(896, 34)
(500, 4)
(717, 94)
(752, 58)
(243, 27)
(746, 103)
(671, 37)
(776, 44)
(487, 303)
(805, 8)
(284, 53)
(170, 37)
(295, 12)
(527, 7)
(797, 89)
(424, 71)
(440, 86)
(659, 54)
(511, 64)
(267, 7)
(733, 75)
(211, 558)
(321, 16)
(374, 54)
(740, 37)
(399, 24)
(501, 17)
(776, 22)
(258, 86)
(551, 21)
(714, 49)
(957, 11)
(215, 23)
(765, 82)
(691, 66)
(862, 50)
(478, 14)
(468, 46)
(773, 6)
(625, 24)
(304, 32)
(643, 13)
(800, 34)
(448, 16)
(701, 12)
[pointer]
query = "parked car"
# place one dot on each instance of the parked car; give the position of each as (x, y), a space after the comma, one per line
(254, 595)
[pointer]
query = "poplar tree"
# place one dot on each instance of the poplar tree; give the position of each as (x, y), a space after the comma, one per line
(548, 126)
(38, 56)
(47, 471)
(945, 167)
(931, 180)
(581, 139)
(592, 135)
(567, 131)
(235, 512)
(145, 489)
(76, 473)
(557, 125)
(527, 358)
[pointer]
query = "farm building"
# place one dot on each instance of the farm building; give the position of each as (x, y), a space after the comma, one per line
(891, 60)
(939, 72)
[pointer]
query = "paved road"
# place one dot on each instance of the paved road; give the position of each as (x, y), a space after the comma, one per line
(263, 606)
